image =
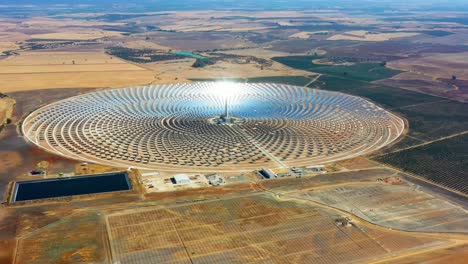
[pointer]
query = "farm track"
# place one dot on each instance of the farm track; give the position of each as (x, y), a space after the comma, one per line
(422, 144)
(419, 104)
(313, 80)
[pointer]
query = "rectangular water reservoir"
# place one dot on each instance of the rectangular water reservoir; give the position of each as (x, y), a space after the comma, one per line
(68, 186)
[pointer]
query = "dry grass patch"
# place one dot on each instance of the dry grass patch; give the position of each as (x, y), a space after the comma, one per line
(28, 81)
(6, 109)
(42, 70)
(6, 46)
(51, 23)
(52, 58)
(306, 34)
(249, 230)
(363, 35)
(223, 69)
(12, 36)
(84, 35)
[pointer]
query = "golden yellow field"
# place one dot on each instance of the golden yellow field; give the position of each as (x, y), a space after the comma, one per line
(53, 24)
(54, 68)
(51, 58)
(5, 46)
(42, 70)
(363, 35)
(21, 82)
(83, 35)
(6, 109)
(307, 34)
(196, 21)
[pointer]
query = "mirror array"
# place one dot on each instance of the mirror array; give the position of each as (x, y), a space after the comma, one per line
(167, 127)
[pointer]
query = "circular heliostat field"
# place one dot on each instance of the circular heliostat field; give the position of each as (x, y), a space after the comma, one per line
(212, 126)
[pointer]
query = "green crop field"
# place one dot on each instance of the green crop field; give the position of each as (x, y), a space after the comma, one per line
(359, 71)
(443, 162)
(298, 62)
(389, 97)
(356, 71)
(429, 117)
(436, 120)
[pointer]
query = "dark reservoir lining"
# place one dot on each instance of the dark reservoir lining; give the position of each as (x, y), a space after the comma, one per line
(67, 186)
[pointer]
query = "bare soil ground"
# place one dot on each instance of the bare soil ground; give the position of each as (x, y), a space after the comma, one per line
(460, 38)
(18, 157)
(256, 52)
(438, 65)
(199, 40)
(144, 44)
(183, 70)
(235, 223)
(395, 206)
(448, 88)
(438, 256)
(52, 242)
(247, 230)
(358, 163)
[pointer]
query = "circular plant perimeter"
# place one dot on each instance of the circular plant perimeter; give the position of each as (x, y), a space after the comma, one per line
(170, 127)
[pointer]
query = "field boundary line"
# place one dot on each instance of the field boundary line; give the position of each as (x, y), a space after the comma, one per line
(422, 144)
(434, 234)
(421, 251)
(410, 174)
(440, 96)
(376, 82)
(313, 80)
(52, 224)
(111, 252)
(15, 253)
(418, 104)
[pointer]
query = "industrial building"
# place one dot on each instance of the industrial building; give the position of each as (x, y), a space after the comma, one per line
(267, 173)
(181, 179)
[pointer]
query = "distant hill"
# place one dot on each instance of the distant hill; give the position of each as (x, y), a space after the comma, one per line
(53, 7)
(381, 5)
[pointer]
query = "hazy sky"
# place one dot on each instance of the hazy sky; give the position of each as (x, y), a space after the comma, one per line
(159, 5)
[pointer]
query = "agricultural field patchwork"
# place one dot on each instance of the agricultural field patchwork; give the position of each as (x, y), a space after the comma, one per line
(401, 207)
(389, 97)
(31, 71)
(436, 120)
(402, 201)
(76, 239)
(444, 162)
(429, 117)
(356, 71)
(254, 229)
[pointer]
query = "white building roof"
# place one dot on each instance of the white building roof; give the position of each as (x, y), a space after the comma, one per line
(181, 178)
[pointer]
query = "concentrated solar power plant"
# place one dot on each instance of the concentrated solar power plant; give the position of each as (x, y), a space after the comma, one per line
(212, 126)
